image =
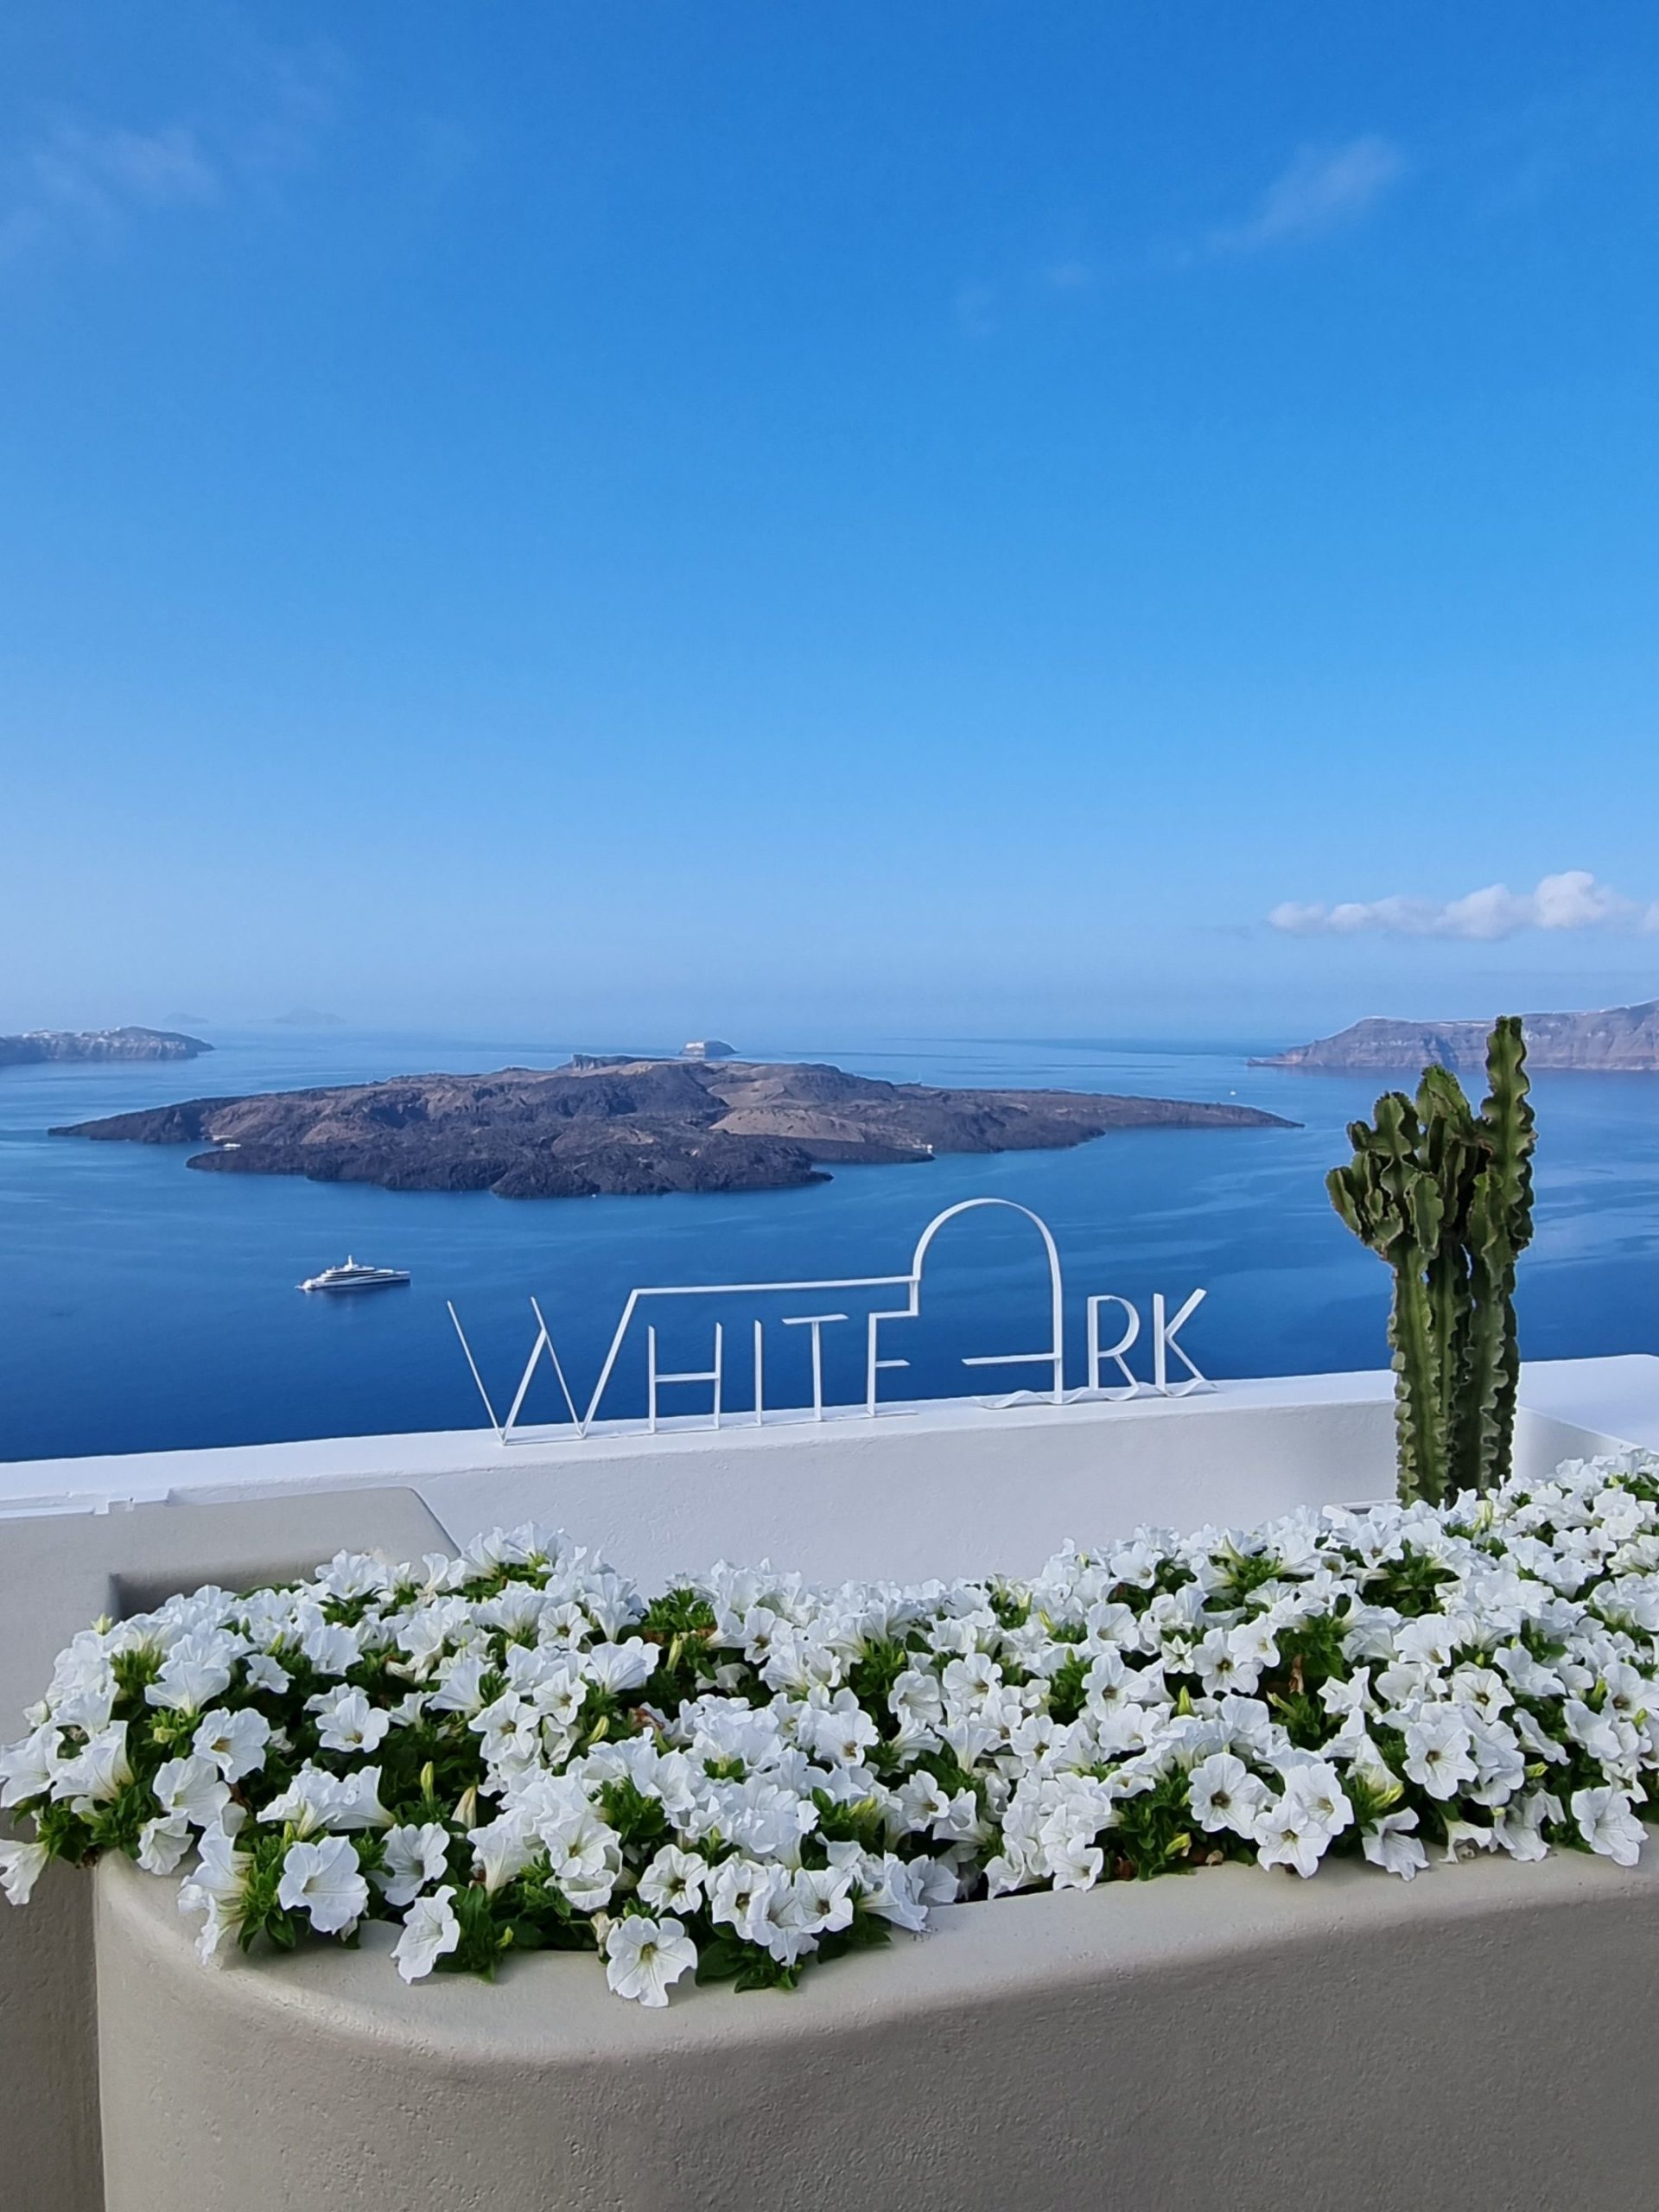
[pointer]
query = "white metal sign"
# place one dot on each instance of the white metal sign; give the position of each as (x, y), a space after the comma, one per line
(877, 1361)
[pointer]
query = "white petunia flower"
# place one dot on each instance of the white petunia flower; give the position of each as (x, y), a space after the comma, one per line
(1288, 1835)
(21, 1866)
(218, 1889)
(192, 1787)
(1314, 1787)
(734, 1888)
(195, 1671)
(619, 1666)
(98, 1774)
(1349, 1695)
(461, 1687)
(674, 1880)
(1519, 1826)
(353, 1574)
(1222, 1793)
(308, 1804)
(347, 1722)
(823, 1898)
(1607, 1824)
(357, 1802)
(331, 1647)
(235, 1742)
(1602, 1734)
(430, 1932)
(1220, 1668)
(504, 1848)
(841, 1733)
(1465, 1837)
(414, 1857)
(897, 1894)
(586, 1859)
(644, 1957)
(1254, 1646)
(1073, 1860)
(29, 1768)
(1389, 1843)
(1438, 1749)
(162, 1843)
(325, 1881)
(1428, 1641)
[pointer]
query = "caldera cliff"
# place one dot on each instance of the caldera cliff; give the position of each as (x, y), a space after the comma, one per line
(36, 1045)
(1621, 1040)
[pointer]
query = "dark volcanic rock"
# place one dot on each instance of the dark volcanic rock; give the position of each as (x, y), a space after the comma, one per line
(37, 1045)
(1620, 1038)
(185, 1124)
(634, 1127)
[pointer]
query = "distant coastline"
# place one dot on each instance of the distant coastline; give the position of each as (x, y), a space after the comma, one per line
(1620, 1040)
(633, 1127)
(33, 1045)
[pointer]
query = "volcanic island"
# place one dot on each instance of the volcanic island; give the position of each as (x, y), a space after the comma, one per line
(634, 1127)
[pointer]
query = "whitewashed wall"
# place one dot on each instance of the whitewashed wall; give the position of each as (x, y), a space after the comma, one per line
(943, 1489)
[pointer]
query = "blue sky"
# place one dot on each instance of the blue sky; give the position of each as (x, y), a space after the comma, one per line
(922, 518)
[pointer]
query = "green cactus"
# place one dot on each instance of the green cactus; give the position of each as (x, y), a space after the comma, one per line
(1500, 1229)
(1445, 1196)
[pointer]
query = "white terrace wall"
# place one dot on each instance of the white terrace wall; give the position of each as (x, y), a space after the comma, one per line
(947, 1488)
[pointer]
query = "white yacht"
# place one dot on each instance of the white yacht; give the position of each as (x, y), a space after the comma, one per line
(355, 1277)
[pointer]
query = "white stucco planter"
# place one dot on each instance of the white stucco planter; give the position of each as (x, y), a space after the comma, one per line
(58, 1572)
(1234, 2039)
(1226, 2040)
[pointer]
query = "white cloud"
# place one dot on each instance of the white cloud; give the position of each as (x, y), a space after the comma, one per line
(78, 178)
(1325, 188)
(100, 169)
(75, 178)
(1572, 900)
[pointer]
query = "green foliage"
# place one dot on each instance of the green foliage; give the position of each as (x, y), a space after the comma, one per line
(636, 1818)
(1012, 1607)
(1153, 1835)
(873, 1674)
(1310, 1656)
(261, 1913)
(864, 1932)
(1445, 1196)
(724, 1957)
(681, 1625)
(677, 1612)
(839, 1821)
(1245, 1571)
(1065, 1687)
(483, 1938)
(731, 1958)
(64, 1832)
(533, 1914)
(134, 1671)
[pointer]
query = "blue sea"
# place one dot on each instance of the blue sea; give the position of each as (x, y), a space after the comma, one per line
(143, 1306)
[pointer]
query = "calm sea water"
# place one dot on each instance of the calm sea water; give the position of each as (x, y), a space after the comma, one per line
(143, 1306)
